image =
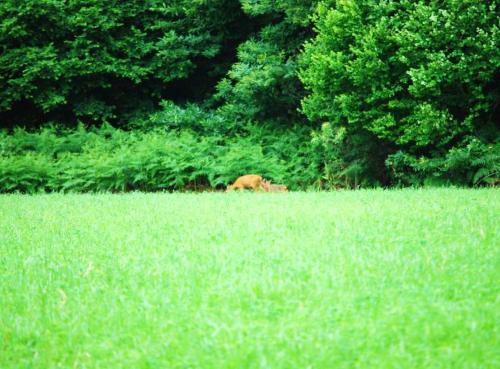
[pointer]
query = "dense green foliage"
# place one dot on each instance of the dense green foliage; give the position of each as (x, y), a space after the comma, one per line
(263, 84)
(366, 279)
(413, 79)
(108, 159)
(101, 60)
(330, 93)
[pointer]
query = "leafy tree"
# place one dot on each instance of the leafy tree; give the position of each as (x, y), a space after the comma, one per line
(417, 76)
(263, 84)
(98, 60)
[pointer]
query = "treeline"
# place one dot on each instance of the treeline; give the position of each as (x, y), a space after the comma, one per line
(188, 94)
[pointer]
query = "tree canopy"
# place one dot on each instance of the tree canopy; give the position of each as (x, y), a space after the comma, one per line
(377, 92)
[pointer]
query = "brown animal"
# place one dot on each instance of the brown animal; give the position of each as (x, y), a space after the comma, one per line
(277, 188)
(249, 181)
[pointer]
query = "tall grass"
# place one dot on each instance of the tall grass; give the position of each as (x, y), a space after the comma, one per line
(365, 279)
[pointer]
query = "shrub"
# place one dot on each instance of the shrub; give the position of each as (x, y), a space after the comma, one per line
(415, 78)
(473, 164)
(27, 173)
(109, 159)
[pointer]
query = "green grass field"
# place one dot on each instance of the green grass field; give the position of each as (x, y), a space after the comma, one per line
(364, 279)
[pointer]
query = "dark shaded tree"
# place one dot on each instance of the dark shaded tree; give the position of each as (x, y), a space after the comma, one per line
(96, 60)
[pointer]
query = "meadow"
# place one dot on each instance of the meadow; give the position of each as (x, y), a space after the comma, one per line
(348, 279)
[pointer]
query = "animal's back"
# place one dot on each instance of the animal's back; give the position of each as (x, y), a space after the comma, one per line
(248, 181)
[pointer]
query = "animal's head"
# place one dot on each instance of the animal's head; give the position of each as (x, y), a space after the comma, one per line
(282, 188)
(229, 188)
(278, 188)
(266, 185)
